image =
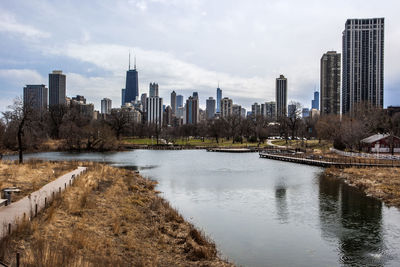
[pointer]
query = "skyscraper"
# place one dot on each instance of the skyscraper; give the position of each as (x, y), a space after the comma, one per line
(270, 110)
(192, 110)
(153, 89)
(281, 96)
(35, 96)
(179, 101)
(330, 83)
(363, 57)
(219, 98)
(315, 101)
(123, 96)
(196, 95)
(132, 84)
(106, 105)
(173, 103)
(154, 106)
(57, 88)
(210, 107)
(256, 109)
(143, 98)
(226, 107)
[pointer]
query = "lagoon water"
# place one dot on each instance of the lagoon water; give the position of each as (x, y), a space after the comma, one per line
(262, 212)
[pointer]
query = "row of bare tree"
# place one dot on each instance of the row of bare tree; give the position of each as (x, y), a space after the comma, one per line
(23, 128)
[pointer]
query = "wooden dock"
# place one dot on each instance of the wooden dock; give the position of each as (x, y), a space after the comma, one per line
(324, 163)
(232, 150)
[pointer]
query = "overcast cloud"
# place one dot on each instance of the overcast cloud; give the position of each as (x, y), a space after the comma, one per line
(185, 46)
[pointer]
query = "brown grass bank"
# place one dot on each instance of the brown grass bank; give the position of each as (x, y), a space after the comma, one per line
(110, 217)
(31, 175)
(381, 183)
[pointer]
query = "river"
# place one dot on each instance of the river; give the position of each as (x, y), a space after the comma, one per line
(262, 212)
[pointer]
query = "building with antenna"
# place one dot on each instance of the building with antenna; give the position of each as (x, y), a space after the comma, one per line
(132, 83)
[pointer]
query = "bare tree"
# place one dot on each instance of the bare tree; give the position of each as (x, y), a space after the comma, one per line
(21, 116)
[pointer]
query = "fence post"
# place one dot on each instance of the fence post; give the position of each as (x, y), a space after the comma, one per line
(17, 259)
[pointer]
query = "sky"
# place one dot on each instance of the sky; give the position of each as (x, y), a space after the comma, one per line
(183, 45)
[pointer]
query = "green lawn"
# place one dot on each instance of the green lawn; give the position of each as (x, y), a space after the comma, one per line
(191, 142)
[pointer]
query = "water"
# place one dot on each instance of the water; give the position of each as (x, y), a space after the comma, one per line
(267, 213)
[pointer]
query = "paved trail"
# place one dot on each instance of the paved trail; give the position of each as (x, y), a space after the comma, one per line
(29, 206)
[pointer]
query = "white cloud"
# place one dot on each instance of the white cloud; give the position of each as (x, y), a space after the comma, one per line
(9, 24)
(171, 74)
(22, 77)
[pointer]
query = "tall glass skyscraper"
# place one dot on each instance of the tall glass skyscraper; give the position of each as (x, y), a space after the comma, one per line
(281, 96)
(330, 83)
(219, 97)
(132, 84)
(315, 101)
(179, 101)
(363, 57)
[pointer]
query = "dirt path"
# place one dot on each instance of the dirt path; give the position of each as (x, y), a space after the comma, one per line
(30, 205)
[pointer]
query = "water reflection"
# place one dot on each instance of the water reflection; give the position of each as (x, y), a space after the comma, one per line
(281, 204)
(352, 220)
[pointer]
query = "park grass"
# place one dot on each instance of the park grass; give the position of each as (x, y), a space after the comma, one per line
(111, 217)
(206, 142)
(381, 183)
(31, 175)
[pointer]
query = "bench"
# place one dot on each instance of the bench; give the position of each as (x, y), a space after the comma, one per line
(3, 202)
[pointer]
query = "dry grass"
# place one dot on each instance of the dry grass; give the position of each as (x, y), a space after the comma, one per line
(32, 175)
(382, 183)
(112, 217)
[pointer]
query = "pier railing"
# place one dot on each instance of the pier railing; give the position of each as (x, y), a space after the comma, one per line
(327, 160)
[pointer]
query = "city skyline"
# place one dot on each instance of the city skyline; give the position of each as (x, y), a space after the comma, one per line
(96, 66)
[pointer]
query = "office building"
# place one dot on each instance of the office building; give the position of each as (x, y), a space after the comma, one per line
(219, 98)
(57, 88)
(106, 106)
(192, 110)
(226, 107)
(154, 106)
(123, 96)
(281, 96)
(132, 84)
(237, 110)
(79, 98)
(292, 111)
(196, 95)
(173, 102)
(330, 83)
(179, 101)
(35, 96)
(363, 62)
(143, 98)
(210, 108)
(270, 110)
(315, 101)
(305, 113)
(153, 89)
(256, 110)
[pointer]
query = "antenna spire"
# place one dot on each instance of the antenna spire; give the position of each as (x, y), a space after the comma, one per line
(135, 63)
(129, 66)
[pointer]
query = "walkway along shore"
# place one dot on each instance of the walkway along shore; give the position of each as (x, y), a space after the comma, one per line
(338, 163)
(32, 204)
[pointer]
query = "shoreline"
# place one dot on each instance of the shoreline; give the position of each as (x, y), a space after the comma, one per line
(380, 183)
(111, 215)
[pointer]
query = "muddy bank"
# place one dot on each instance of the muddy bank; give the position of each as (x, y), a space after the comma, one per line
(381, 183)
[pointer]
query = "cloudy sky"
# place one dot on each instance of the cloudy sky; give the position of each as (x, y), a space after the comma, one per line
(184, 45)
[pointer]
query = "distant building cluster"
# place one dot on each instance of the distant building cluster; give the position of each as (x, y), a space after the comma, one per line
(361, 69)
